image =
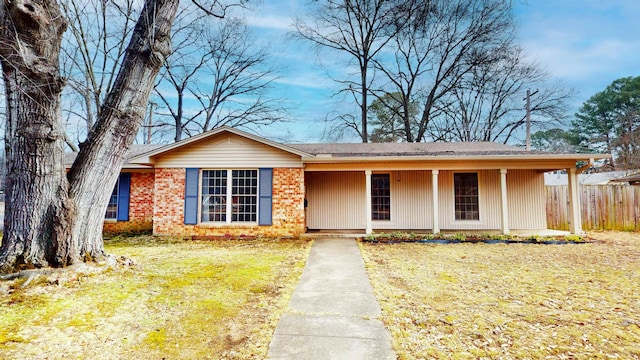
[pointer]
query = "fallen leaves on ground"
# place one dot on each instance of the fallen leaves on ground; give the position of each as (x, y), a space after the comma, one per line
(472, 301)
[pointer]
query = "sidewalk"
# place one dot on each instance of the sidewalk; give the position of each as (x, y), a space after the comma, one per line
(333, 312)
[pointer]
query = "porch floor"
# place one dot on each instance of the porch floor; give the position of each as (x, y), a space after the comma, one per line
(361, 232)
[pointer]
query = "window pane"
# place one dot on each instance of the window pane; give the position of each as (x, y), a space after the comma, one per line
(244, 194)
(112, 208)
(380, 197)
(214, 195)
(466, 196)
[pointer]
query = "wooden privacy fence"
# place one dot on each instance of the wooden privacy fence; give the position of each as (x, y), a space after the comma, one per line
(604, 207)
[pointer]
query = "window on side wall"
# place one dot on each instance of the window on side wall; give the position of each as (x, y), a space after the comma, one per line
(112, 208)
(466, 196)
(380, 197)
(229, 196)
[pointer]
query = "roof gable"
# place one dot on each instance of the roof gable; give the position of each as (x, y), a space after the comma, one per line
(213, 137)
(223, 148)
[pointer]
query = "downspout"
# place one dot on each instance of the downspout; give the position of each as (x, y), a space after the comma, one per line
(585, 167)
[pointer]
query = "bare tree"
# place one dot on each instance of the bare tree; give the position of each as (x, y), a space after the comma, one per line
(226, 72)
(442, 42)
(52, 221)
(361, 29)
(488, 104)
(180, 69)
(92, 50)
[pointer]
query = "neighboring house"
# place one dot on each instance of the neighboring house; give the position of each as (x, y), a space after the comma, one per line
(598, 178)
(228, 182)
(633, 179)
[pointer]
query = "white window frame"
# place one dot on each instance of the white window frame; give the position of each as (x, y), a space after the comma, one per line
(371, 195)
(229, 198)
(116, 192)
(453, 183)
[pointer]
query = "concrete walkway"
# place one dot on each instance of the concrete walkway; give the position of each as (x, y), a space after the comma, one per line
(333, 312)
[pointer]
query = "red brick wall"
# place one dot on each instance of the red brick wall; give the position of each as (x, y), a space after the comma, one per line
(288, 208)
(140, 206)
(168, 211)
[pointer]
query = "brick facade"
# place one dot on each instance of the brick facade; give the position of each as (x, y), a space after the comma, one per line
(140, 206)
(287, 199)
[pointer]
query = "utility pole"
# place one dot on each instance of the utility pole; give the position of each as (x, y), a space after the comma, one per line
(528, 99)
(149, 125)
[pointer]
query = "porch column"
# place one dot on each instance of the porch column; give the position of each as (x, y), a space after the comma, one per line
(435, 203)
(504, 207)
(575, 217)
(367, 210)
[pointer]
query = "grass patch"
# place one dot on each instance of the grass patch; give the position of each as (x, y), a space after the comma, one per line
(215, 299)
(469, 301)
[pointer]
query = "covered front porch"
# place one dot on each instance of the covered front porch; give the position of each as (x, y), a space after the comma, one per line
(374, 199)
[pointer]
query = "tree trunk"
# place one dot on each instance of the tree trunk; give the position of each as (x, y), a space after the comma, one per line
(50, 221)
(37, 202)
(101, 157)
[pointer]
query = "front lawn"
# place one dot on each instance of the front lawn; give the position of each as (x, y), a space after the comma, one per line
(188, 300)
(468, 301)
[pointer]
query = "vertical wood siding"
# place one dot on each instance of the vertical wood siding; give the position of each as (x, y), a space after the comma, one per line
(526, 199)
(410, 201)
(488, 197)
(335, 200)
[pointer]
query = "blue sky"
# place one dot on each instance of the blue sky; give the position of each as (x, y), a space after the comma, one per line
(586, 44)
(583, 44)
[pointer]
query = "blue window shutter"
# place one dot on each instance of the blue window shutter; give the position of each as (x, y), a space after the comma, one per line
(124, 186)
(191, 196)
(265, 190)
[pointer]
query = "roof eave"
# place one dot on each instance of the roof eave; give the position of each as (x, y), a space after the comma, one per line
(350, 159)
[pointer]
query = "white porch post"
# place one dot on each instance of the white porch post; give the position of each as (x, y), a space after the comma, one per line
(436, 206)
(575, 217)
(504, 207)
(367, 211)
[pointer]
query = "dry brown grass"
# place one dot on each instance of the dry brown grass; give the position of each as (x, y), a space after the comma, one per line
(187, 300)
(468, 301)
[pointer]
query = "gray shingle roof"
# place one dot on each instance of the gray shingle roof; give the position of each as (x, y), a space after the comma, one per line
(408, 149)
(134, 151)
(633, 178)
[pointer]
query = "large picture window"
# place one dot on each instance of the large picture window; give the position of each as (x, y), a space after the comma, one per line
(229, 196)
(466, 196)
(380, 197)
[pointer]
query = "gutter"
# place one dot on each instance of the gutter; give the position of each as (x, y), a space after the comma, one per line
(323, 158)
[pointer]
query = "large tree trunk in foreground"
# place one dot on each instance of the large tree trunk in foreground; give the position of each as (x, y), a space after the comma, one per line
(37, 203)
(102, 155)
(49, 221)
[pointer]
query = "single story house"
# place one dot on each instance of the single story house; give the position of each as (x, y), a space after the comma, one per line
(229, 182)
(632, 179)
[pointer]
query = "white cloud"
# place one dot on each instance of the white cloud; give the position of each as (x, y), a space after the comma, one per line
(274, 22)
